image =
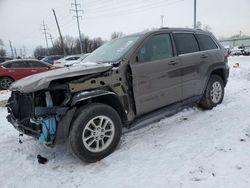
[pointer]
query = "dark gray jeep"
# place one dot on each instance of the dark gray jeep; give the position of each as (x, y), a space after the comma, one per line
(120, 84)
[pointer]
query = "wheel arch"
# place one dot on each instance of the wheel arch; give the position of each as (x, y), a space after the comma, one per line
(216, 69)
(3, 76)
(100, 96)
(220, 72)
(86, 98)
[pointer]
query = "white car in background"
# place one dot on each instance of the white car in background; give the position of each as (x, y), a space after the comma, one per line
(69, 60)
(78, 62)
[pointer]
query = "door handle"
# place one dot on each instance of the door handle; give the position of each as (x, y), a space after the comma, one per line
(204, 56)
(33, 70)
(173, 63)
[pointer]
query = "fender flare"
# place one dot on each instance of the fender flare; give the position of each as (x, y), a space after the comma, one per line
(214, 68)
(65, 123)
(85, 95)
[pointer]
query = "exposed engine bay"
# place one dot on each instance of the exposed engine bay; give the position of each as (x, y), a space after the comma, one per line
(36, 114)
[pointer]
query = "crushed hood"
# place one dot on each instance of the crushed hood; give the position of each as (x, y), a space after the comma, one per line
(41, 81)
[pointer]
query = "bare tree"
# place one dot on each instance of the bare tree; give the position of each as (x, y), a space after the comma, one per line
(1, 42)
(199, 25)
(72, 46)
(207, 28)
(116, 35)
(39, 51)
(2, 52)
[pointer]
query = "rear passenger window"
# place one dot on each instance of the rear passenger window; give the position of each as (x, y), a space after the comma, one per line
(206, 42)
(156, 48)
(17, 64)
(185, 43)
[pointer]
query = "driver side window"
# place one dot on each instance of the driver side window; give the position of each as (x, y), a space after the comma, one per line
(156, 48)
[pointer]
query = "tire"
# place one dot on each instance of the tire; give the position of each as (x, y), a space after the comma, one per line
(5, 82)
(214, 93)
(87, 138)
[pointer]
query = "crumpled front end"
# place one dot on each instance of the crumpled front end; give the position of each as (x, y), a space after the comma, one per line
(36, 114)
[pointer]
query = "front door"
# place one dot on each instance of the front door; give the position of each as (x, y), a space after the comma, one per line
(156, 75)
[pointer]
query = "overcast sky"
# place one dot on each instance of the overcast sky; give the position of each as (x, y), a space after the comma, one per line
(20, 20)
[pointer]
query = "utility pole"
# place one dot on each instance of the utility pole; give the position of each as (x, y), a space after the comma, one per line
(51, 40)
(45, 35)
(24, 51)
(63, 47)
(12, 52)
(162, 18)
(21, 52)
(15, 52)
(194, 14)
(76, 10)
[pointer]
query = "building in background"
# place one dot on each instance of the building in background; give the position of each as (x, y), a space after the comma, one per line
(237, 42)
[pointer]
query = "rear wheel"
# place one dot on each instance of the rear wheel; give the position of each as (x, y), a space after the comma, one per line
(5, 82)
(95, 133)
(214, 93)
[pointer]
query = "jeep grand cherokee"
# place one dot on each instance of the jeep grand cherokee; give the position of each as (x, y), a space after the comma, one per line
(116, 85)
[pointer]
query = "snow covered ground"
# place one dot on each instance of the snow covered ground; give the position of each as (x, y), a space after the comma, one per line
(193, 148)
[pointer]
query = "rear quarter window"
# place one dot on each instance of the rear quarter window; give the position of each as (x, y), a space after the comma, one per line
(185, 43)
(206, 42)
(34, 64)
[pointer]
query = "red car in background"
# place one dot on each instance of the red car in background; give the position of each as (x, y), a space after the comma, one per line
(13, 70)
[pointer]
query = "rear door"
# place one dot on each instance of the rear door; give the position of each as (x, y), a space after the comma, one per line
(17, 69)
(191, 60)
(155, 73)
(210, 54)
(37, 67)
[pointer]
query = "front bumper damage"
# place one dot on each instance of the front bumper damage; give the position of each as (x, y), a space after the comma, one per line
(39, 122)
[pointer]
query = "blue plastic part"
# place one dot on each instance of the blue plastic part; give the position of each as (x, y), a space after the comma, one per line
(48, 133)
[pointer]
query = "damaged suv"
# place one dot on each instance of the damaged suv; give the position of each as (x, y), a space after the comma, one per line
(122, 82)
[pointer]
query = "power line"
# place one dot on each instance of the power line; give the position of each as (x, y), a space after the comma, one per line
(44, 29)
(124, 5)
(75, 5)
(134, 10)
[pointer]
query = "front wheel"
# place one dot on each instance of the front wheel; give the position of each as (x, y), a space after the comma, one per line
(95, 133)
(214, 93)
(5, 82)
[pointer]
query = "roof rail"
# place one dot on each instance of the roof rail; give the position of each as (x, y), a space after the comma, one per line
(164, 28)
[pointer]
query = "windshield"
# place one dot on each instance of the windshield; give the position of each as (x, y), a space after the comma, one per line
(113, 50)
